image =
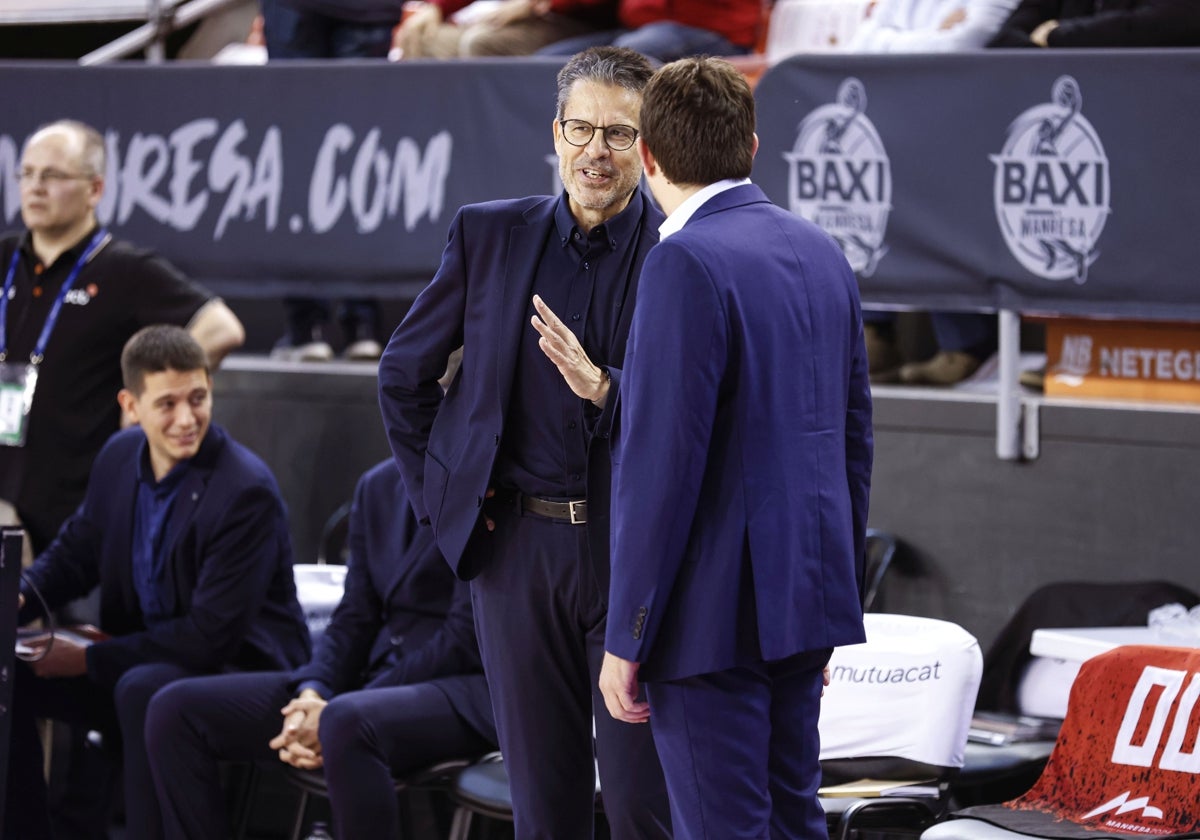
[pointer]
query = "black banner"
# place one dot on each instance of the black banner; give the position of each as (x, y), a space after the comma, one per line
(1059, 181)
(298, 177)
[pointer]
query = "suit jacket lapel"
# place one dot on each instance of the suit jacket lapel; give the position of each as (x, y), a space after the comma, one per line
(524, 246)
(191, 491)
(647, 234)
(125, 498)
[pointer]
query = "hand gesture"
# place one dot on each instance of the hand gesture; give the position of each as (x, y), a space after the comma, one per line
(561, 347)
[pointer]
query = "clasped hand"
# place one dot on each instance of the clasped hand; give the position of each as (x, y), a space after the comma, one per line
(297, 742)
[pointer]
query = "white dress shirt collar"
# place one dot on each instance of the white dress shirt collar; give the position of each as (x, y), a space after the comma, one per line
(693, 203)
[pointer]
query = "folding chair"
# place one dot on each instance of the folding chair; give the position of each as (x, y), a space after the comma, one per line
(482, 790)
(881, 550)
(1126, 761)
(896, 711)
(435, 779)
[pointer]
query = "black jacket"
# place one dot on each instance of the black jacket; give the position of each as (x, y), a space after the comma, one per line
(1104, 23)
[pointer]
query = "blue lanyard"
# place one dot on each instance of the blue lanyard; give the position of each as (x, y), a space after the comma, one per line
(39, 351)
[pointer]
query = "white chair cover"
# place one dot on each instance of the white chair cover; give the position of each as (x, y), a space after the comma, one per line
(907, 692)
(319, 588)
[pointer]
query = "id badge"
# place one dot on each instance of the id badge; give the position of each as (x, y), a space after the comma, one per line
(17, 383)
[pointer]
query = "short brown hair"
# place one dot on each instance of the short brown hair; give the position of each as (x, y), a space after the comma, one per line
(615, 66)
(698, 121)
(157, 348)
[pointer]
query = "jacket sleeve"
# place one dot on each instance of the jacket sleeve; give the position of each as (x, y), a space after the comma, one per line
(1025, 18)
(452, 650)
(666, 430)
(237, 557)
(341, 653)
(860, 442)
(414, 360)
(1150, 23)
(69, 568)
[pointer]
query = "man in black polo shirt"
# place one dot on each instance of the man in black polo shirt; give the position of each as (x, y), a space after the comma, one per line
(72, 296)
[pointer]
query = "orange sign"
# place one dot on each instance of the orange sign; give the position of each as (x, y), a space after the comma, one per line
(1137, 360)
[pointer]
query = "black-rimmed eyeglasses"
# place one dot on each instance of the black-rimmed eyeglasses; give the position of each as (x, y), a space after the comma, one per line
(616, 137)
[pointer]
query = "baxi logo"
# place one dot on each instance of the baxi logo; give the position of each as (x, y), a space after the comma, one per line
(1051, 189)
(839, 177)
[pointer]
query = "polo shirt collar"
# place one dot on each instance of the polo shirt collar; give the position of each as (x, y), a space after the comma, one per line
(71, 255)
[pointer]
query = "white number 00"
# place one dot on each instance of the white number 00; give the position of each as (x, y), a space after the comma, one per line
(1142, 755)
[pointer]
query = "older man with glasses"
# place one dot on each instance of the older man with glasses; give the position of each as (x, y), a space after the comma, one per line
(511, 468)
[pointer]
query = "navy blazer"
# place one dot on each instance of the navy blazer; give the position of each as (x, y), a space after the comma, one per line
(741, 484)
(446, 448)
(228, 564)
(404, 618)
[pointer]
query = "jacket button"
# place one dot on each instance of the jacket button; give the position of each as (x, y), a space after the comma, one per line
(397, 640)
(642, 611)
(496, 439)
(637, 634)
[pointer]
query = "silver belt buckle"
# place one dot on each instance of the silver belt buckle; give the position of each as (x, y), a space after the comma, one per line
(578, 512)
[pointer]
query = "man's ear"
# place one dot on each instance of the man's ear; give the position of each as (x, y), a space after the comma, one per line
(96, 192)
(648, 163)
(754, 148)
(128, 403)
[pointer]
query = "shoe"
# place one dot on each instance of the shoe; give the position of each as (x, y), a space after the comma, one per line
(362, 338)
(363, 350)
(1034, 379)
(883, 358)
(945, 368)
(303, 346)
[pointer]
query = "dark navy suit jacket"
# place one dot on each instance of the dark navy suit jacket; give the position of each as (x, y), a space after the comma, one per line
(228, 565)
(741, 484)
(477, 300)
(404, 617)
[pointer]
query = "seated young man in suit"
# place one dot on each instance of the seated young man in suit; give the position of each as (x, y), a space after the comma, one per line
(185, 534)
(395, 684)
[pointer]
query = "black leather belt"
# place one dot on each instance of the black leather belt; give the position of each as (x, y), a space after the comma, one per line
(574, 511)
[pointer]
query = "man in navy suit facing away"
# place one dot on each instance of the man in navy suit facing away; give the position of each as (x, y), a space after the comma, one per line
(742, 464)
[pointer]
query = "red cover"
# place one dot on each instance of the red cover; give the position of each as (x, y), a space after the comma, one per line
(1126, 762)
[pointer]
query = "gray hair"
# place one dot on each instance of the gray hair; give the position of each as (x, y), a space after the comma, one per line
(615, 66)
(94, 155)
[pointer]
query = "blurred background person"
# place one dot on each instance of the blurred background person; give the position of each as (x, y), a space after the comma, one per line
(72, 297)
(299, 29)
(395, 685)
